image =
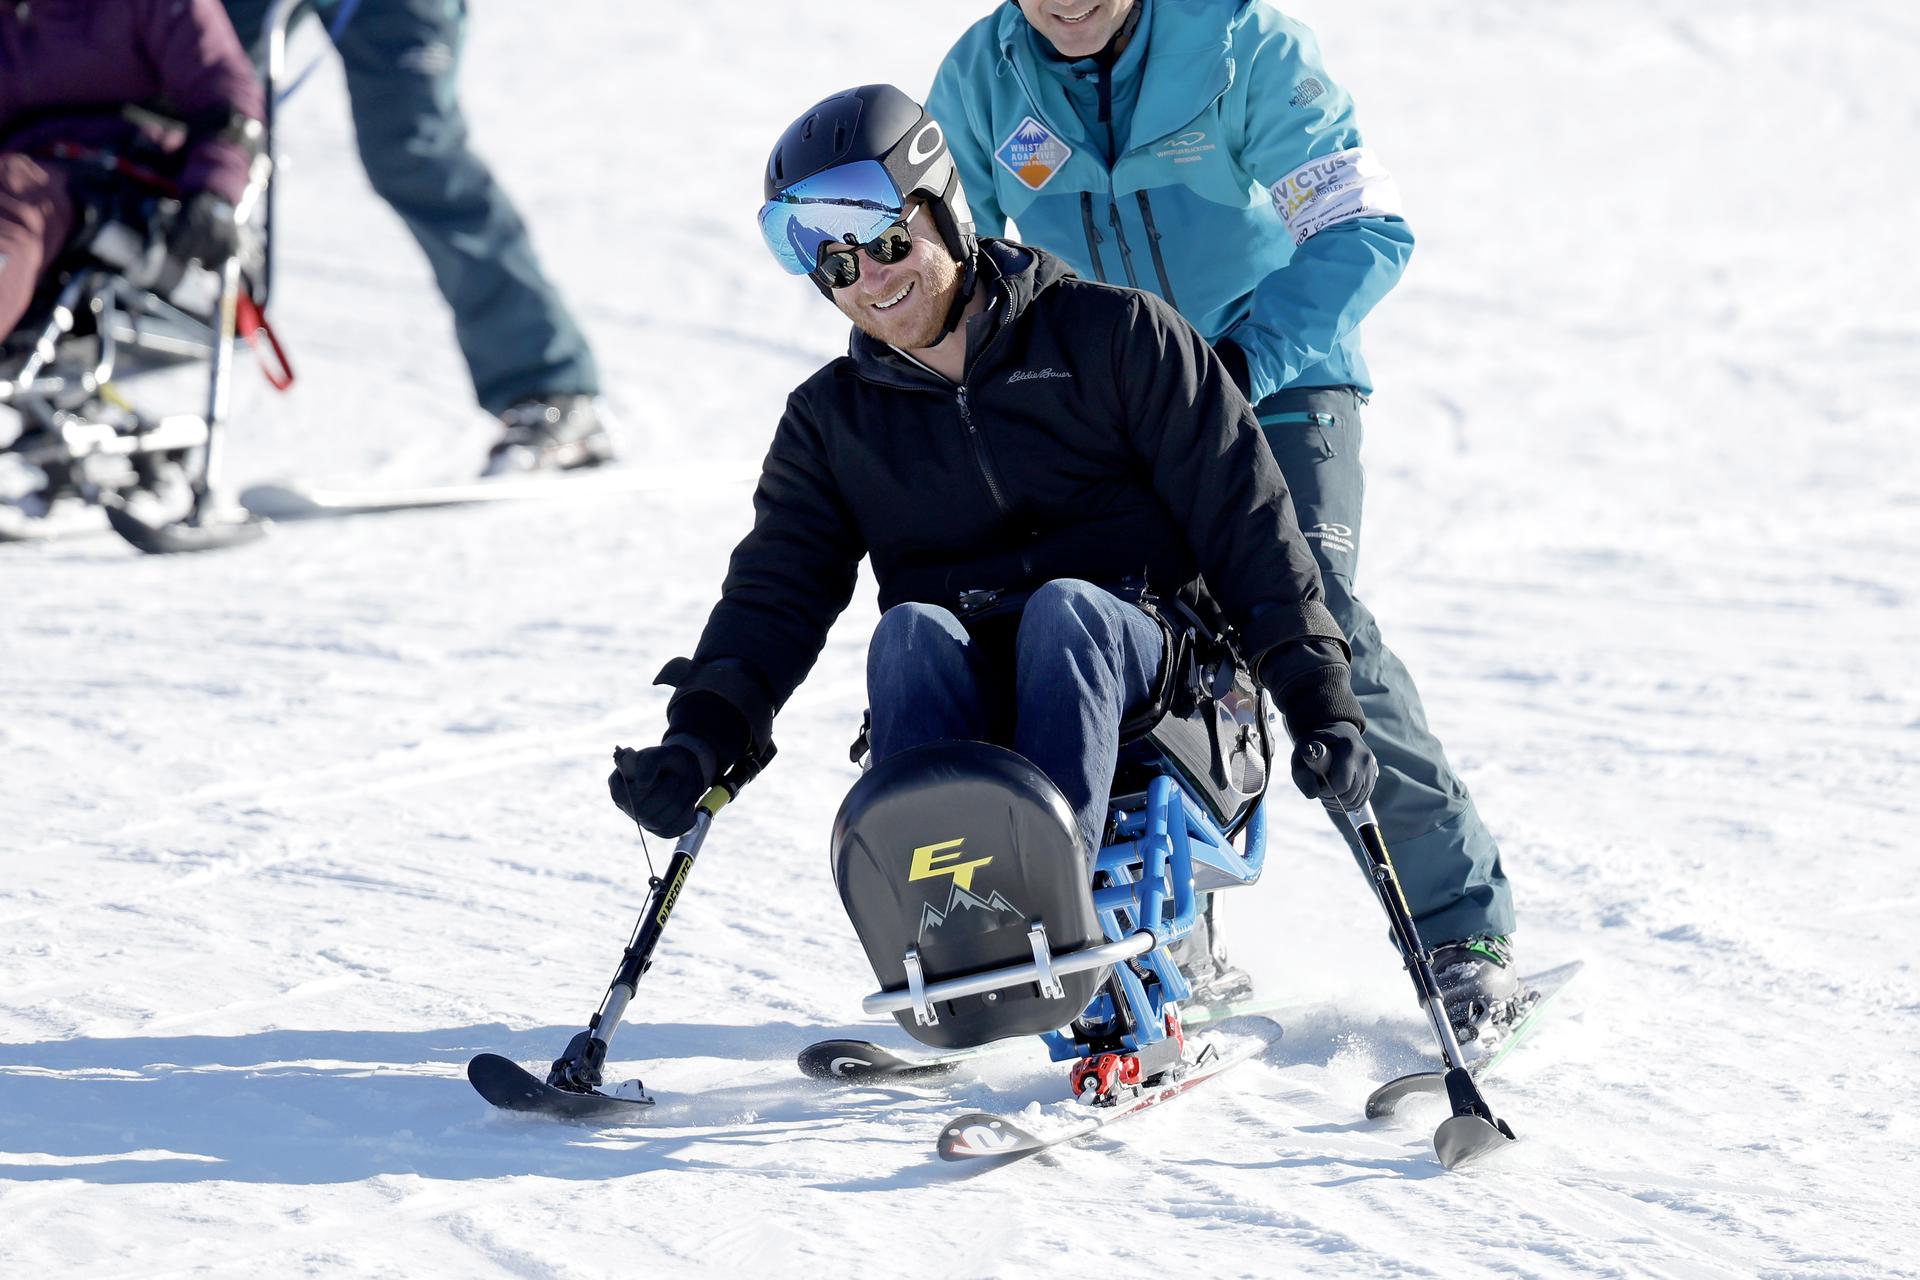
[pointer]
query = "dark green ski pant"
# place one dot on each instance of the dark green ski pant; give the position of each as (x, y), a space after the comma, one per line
(1447, 861)
(401, 59)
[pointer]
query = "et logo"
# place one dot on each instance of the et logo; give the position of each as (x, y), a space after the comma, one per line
(947, 858)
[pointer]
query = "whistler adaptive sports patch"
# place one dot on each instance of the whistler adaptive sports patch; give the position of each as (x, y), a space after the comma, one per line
(1033, 154)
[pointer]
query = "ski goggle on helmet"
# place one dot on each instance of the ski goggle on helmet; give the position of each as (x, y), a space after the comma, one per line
(819, 225)
(845, 178)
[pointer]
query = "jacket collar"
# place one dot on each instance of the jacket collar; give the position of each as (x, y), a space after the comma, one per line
(1014, 275)
(1188, 65)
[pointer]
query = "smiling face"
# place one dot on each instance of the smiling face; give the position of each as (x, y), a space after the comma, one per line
(1077, 28)
(904, 303)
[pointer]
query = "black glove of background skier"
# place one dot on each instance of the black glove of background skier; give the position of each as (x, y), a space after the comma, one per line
(659, 788)
(206, 231)
(1345, 772)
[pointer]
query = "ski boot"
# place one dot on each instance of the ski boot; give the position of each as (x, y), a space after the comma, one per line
(1482, 989)
(1202, 957)
(551, 433)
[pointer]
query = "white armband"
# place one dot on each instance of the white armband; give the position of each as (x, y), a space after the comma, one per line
(1347, 184)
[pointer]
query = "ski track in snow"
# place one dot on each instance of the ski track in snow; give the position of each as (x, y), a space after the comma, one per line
(289, 833)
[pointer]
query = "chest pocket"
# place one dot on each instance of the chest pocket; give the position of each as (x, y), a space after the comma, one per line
(1024, 175)
(1198, 157)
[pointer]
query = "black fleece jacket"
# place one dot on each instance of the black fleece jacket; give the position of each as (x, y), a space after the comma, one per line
(1095, 435)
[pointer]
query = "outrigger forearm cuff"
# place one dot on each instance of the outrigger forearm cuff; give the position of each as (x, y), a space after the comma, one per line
(731, 682)
(1279, 624)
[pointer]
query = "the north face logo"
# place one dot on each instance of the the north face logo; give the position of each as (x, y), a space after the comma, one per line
(1306, 91)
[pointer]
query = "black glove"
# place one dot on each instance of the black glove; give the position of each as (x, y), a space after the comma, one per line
(206, 231)
(659, 788)
(1332, 764)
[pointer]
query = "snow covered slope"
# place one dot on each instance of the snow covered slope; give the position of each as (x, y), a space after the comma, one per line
(287, 834)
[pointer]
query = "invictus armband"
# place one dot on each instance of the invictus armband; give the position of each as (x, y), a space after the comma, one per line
(1336, 188)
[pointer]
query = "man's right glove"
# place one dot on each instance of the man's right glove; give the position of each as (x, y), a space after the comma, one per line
(1344, 772)
(659, 788)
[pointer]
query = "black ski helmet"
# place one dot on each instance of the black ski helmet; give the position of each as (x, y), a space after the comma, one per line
(879, 122)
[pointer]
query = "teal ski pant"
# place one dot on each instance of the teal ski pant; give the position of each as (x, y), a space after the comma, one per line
(1447, 861)
(402, 58)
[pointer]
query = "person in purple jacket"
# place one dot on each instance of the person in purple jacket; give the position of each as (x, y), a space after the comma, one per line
(68, 71)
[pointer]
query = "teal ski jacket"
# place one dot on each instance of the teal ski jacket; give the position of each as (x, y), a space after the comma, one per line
(1215, 163)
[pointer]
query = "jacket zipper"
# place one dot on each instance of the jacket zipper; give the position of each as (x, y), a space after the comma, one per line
(980, 455)
(1153, 240)
(1120, 234)
(1105, 89)
(987, 472)
(1093, 235)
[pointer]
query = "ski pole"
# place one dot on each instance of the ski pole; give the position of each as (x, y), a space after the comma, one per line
(578, 1070)
(1473, 1129)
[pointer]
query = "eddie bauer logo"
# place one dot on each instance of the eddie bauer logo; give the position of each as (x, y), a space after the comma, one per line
(1035, 375)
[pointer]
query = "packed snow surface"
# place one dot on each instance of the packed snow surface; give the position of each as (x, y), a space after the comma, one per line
(290, 832)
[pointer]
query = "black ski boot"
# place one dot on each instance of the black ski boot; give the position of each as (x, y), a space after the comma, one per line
(1482, 989)
(551, 433)
(1203, 958)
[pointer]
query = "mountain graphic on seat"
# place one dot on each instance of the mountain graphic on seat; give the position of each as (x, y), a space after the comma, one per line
(983, 915)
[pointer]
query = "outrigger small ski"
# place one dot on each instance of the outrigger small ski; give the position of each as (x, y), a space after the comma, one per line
(1472, 1130)
(572, 1089)
(1545, 988)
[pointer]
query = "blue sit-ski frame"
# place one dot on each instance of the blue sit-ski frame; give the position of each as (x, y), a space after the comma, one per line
(1145, 880)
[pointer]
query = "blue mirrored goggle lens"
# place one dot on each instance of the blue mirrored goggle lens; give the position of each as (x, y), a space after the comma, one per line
(854, 200)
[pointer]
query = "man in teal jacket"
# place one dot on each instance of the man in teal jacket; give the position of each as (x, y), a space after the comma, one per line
(1198, 149)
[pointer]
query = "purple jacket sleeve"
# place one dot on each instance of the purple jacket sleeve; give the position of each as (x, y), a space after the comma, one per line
(207, 78)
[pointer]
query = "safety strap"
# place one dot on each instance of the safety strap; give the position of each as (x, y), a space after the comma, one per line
(250, 322)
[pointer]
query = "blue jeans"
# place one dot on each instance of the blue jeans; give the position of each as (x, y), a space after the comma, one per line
(1082, 660)
(1448, 863)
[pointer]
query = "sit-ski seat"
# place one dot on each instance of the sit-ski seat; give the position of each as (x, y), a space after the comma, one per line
(959, 866)
(959, 859)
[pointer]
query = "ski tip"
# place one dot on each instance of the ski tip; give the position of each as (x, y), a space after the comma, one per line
(278, 501)
(1385, 1100)
(862, 1062)
(482, 1063)
(978, 1135)
(842, 1059)
(183, 539)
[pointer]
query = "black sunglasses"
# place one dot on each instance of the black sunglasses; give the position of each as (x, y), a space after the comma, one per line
(839, 264)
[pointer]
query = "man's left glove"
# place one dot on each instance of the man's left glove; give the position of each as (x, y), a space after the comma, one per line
(661, 787)
(207, 231)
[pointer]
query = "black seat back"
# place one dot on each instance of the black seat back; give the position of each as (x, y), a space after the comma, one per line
(956, 849)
